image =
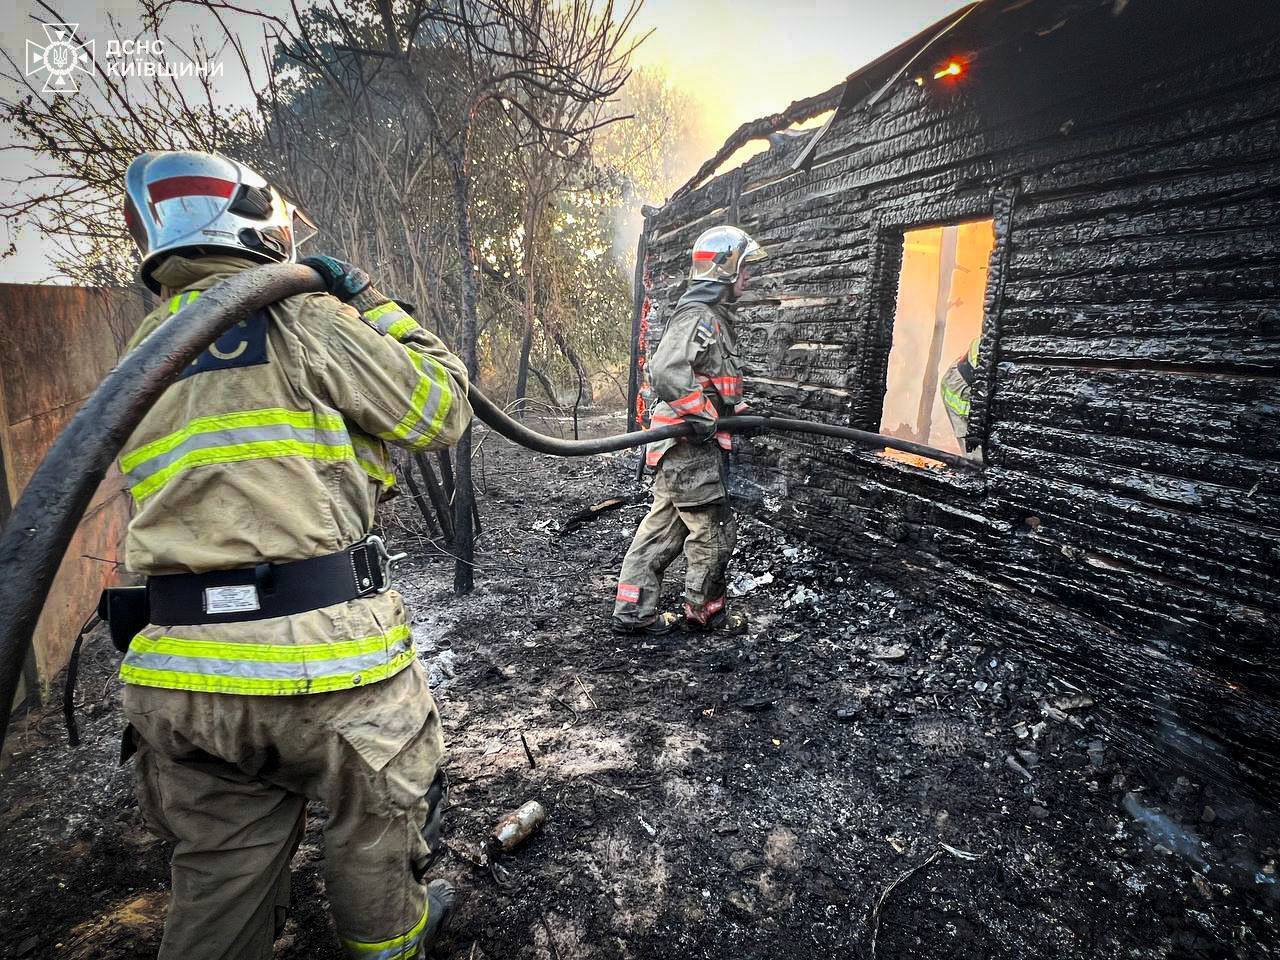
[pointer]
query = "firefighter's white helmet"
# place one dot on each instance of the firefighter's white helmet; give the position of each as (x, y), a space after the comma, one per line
(187, 200)
(720, 253)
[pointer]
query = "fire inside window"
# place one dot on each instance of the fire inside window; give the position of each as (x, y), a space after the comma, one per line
(938, 317)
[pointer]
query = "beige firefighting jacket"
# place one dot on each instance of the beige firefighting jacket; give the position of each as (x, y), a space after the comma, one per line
(956, 389)
(695, 372)
(273, 447)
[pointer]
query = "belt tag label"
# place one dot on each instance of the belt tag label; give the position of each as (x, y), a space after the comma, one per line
(235, 599)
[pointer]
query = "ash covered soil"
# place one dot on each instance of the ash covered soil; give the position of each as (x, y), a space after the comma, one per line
(855, 776)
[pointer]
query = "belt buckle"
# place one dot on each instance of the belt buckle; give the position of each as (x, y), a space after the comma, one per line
(385, 560)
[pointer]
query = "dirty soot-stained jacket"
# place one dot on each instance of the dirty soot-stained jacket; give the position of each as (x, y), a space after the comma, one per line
(272, 447)
(696, 371)
(957, 389)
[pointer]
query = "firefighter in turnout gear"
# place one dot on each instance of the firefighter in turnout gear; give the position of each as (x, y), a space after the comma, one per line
(956, 389)
(277, 665)
(696, 373)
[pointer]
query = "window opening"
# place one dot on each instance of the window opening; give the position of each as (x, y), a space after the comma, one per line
(937, 320)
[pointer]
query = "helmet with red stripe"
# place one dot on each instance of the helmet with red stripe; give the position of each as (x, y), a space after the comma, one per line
(720, 253)
(189, 201)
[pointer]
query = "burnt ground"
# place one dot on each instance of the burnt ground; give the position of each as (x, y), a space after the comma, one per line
(856, 776)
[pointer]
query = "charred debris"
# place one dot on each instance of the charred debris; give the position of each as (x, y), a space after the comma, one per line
(859, 768)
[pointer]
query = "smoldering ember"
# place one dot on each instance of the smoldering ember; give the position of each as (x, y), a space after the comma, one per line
(470, 489)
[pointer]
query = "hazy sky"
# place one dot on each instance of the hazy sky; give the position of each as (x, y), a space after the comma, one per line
(94, 18)
(745, 59)
(739, 60)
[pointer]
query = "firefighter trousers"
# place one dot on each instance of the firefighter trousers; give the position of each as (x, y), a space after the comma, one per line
(690, 514)
(227, 778)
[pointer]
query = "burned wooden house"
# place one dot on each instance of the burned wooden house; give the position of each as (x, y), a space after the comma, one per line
(1092, 191)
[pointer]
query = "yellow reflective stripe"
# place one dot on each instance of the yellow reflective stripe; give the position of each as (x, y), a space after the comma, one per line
(268, 652)
(402, 947)
(401, 327)
(973, 353)
(442, 406)
(417, 413)
(374, 313)
(234, 453)
(264, 668)
(958, 403)
(391, 319)
(375, 472)
(251, 686)
(266, 417)
(372, 459)
(180, 300)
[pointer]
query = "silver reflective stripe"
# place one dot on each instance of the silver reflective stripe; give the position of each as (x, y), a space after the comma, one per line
(231, 437)
(374, 459)
(264, 669)
(384, 322)
(406, 950)
(421, 430)
(424, 428)
(371, 448)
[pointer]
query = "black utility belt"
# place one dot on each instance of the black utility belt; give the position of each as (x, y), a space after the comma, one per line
(250, 593)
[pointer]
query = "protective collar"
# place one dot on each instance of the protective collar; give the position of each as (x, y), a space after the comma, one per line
(710, 292)
(177, 273)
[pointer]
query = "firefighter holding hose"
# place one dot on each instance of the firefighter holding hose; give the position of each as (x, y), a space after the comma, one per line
(696, 373)
(276, 665)
(956, 390)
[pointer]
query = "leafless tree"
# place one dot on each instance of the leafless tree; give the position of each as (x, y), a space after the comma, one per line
(422, 135)
(544, 69)
(547, 164)
(71, 154)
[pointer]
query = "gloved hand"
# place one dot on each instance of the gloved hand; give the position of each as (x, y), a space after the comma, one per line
(703, 430)
(343, 280)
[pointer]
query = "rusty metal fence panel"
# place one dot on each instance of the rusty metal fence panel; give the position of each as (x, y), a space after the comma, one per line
(56, 344)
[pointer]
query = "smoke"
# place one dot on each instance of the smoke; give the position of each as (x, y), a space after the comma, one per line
(671, 128)
(1165, 831)
(628, 221)
(1188, 845)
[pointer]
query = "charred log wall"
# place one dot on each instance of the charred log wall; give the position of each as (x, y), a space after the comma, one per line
(1125, 527)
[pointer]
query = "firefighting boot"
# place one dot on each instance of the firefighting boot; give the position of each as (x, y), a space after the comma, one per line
(722, 621)
(440, 899)
(661, 624)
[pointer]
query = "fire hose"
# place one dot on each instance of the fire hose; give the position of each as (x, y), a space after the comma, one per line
(43, 521)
